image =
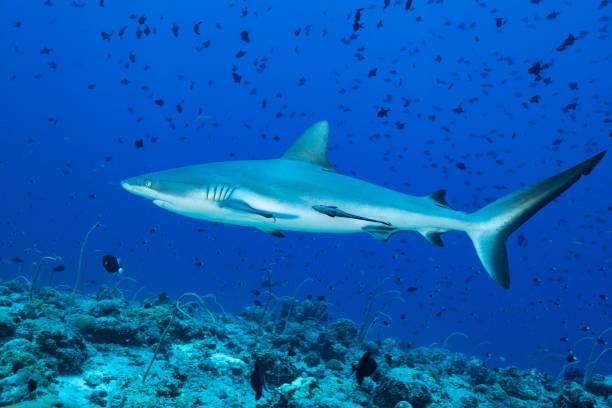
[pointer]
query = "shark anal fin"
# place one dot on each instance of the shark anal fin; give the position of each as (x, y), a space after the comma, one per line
(433, 236)
(439, 197)
(334, 211)
(272, 231)
(380, 232)
(239, 205)
(311, 146)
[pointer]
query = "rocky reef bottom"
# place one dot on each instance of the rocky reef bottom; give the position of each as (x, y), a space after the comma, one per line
(59, 349)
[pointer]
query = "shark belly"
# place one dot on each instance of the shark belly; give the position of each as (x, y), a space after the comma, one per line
(353, 214)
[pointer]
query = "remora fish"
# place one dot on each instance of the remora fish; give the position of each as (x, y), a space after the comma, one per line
(301, 191)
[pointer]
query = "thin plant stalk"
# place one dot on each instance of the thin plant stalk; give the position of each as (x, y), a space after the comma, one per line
(38, 267)
(177, 309)
(78, 279)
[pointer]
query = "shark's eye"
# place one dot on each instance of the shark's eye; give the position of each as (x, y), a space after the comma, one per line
(147, 183)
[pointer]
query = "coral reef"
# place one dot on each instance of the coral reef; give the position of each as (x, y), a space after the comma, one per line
(60, 349)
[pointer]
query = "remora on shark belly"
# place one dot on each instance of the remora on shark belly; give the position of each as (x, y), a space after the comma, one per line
(301, 191)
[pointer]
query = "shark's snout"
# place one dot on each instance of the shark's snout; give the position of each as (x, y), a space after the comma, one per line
(138, 186)
(129, 184)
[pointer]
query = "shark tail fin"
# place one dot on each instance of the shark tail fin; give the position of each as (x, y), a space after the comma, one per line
(492, 224)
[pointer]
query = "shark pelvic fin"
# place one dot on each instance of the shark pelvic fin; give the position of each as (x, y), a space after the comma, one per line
(439, 197)
(272, 231)
(311, 146)
(380, 232)
(433, 236)
(239, 205)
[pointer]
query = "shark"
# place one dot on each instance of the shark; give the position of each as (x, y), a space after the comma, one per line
(302, 191)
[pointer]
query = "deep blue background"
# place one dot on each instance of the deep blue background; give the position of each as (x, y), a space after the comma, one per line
(560, 279)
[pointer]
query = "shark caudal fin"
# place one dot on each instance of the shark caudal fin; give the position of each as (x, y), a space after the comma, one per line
(493, 223)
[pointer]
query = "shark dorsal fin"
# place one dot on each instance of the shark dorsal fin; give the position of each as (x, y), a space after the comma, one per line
(311, 146)
(439, 197)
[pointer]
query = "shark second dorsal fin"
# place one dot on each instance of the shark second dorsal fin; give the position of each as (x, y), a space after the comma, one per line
(311, 146)
(439, 197)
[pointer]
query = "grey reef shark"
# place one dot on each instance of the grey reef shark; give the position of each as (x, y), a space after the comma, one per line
(301, 191)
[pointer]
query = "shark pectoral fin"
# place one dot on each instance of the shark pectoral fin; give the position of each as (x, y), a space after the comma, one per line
(334, 211)
(380, 232)
(272, 231)
(239, 205)
(433, 236)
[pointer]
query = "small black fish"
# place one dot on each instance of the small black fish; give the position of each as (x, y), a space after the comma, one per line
(244, 36)
(258, 380)
(59, 268)
(356, 24)
(365, 367)
(111, 264)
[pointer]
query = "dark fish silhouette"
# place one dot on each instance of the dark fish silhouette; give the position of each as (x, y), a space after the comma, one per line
(111, 264)
(258, 380)
(356, 24)
(365, 367)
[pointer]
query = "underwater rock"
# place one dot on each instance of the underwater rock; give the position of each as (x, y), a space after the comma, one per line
(334, 365)
(298, 389)
(46, 401)
(573, 396)
(279, 368)
(25, 384)
(110, 330)
(455, 363)
(16, 354)
(50, 296)
(55, 338)
(479, 373)
(600, 385)
(93, 378)
(405, 384)
(7, 324)
(312, 359)
(334, 342)
(98, 397)
(304, 311)
(342, 331)
(222, 364)
(107, 307)
(521, 384)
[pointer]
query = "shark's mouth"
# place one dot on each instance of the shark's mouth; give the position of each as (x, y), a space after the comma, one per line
(163, 204)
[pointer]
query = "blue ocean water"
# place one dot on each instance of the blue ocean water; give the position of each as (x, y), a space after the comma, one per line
(439, 96)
